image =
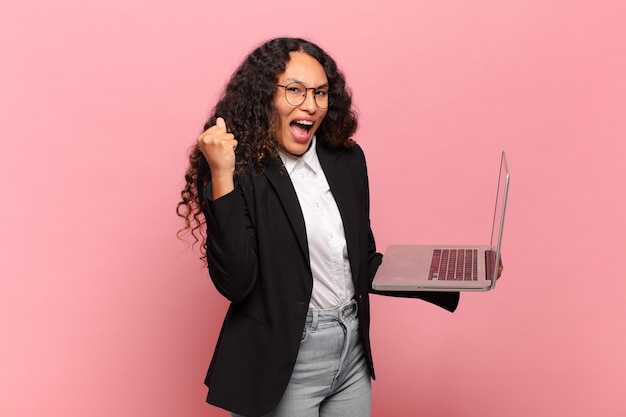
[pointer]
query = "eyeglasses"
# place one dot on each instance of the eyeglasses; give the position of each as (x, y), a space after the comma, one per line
(296, 93)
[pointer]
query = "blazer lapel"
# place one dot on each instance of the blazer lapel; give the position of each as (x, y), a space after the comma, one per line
(281, 182)
(339, 177)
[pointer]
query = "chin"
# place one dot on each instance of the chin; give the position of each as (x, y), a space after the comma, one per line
(298, 148)
(295, 147)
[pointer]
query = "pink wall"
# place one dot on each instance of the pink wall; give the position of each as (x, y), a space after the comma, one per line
(103, 312)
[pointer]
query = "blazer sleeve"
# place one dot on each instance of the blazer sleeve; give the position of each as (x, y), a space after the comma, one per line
(446, 300)
(231, 244)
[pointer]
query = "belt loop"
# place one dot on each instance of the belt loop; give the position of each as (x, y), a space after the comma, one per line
(314, 319)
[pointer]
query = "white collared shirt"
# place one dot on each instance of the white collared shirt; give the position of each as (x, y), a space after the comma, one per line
(328, 252)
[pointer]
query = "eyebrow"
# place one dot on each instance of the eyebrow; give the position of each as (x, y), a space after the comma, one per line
(294, 80)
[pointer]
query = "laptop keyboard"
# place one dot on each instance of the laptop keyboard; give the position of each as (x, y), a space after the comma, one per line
(454, 265)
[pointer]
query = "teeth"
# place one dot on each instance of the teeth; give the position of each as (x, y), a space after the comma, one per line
(304, 122)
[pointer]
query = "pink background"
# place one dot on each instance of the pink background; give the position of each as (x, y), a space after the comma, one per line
(103, 312)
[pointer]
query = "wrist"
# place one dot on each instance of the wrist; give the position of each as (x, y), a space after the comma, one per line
(221, 184)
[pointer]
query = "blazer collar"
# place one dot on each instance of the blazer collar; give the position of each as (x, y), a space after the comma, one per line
(279, 178)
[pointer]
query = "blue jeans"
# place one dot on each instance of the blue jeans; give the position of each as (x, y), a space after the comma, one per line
(330, 378)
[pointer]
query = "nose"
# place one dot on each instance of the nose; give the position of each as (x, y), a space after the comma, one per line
(309, 104)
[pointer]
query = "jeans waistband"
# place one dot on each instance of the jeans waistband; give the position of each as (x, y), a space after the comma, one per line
(343, 311)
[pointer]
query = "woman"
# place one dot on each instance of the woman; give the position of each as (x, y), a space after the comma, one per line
(283, 189)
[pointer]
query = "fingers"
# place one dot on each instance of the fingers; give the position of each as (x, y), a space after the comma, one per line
(218, 147)
(216, 134)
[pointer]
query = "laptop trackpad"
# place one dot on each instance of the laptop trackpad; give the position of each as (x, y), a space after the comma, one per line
(400, 269)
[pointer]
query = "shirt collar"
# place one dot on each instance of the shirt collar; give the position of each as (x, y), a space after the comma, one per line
(309, 158)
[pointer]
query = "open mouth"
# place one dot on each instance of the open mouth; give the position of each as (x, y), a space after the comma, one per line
(301, 128)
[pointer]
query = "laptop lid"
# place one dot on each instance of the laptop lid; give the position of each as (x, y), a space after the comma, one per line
(497, 228)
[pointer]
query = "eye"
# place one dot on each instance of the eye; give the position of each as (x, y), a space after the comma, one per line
(295, 89)
(321, 93)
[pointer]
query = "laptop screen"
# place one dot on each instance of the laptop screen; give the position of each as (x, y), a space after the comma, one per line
(498, 215)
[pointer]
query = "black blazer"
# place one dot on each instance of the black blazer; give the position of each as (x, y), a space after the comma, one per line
(259, 260)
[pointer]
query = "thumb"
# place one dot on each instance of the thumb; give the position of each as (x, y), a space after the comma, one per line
(219, 122)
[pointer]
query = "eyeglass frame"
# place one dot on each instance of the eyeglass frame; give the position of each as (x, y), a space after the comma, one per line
(306, 93)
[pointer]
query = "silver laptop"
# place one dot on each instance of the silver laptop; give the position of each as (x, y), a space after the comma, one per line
(447, 267)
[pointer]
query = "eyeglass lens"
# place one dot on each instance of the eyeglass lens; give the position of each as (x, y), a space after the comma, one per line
(296, 93)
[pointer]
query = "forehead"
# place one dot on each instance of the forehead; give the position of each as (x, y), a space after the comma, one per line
(305, 69)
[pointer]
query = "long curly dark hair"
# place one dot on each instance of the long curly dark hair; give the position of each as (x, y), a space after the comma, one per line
(247, 106)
